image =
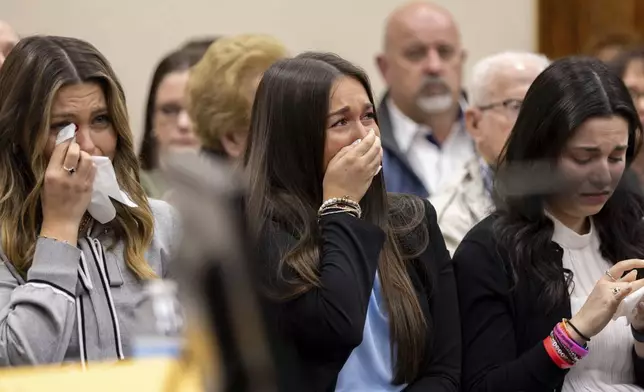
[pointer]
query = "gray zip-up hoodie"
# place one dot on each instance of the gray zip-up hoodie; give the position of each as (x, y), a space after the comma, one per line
(79, 303)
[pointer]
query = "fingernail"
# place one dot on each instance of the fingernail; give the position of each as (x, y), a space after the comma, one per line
(356, 141)
(378, 171)
(372, 131)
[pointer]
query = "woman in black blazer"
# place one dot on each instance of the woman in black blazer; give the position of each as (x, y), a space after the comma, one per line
(360, 283)
(567, 216)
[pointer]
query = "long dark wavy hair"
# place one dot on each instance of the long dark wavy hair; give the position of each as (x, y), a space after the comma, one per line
(566, 94)
(284, 162)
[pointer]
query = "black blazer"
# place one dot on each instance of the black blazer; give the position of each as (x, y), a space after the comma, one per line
(503, 328)
(324, 325)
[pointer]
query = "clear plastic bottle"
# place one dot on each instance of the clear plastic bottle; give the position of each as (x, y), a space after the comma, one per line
(165, 336)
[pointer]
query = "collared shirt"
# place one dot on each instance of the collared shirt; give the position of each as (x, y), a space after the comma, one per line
(434, 165)
(487, 174)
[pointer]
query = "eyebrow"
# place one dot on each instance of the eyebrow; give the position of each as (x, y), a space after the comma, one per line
(621, 147)
(95, 112)
(345, 109)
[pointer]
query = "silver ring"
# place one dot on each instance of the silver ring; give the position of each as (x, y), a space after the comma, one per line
(616, 291)
(70, 170)
(610, 276)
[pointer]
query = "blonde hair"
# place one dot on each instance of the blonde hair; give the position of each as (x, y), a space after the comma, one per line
(32, 75)
(221, 87)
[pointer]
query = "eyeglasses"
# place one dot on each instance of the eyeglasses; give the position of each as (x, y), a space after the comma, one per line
(170, 112)
(510, 106)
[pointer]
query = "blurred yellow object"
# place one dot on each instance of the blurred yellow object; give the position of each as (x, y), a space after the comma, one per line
(197, 371)
(153, 375)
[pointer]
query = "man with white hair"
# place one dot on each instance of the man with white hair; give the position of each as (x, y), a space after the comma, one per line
(499, 84)
(8, 39)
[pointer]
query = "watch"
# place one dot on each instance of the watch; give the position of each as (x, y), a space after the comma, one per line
(637, 335)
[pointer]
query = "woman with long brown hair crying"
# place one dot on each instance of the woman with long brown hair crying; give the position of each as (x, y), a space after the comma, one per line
(70, 286)
(359, 283)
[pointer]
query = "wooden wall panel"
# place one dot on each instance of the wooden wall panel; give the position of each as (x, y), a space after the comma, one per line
(565, 26)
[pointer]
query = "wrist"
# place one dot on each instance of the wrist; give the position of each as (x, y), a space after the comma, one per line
(576, 328)
(331, 192)
(61, 231)
(335, 195)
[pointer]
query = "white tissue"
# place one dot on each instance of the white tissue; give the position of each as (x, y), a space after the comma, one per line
(627, 308)
(66, 133)
(106, 186)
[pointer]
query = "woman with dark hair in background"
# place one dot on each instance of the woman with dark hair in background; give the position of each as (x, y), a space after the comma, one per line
(360, 282)
(559, 247)
(167, 124)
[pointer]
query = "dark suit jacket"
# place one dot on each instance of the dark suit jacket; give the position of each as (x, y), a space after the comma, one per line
(325, 324)
(503, 328)
(398, 173)
(399, 176)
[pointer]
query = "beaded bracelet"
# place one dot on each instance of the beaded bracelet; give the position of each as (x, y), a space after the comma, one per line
(338, 210)
(345, 200)
(336, 203)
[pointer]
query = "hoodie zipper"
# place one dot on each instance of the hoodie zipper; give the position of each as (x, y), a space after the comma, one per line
(99, 258)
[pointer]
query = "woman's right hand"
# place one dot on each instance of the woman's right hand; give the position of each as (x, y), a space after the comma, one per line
(603, 301)
(351, 170)
(66, 195)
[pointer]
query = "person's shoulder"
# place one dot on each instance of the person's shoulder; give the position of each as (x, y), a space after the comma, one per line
(162, 210)
(479, 243)
(166, 219)
(483, 231)
(167, 235)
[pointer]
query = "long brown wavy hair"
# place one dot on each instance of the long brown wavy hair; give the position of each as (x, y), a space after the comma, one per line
(33, 73)
(284, 163)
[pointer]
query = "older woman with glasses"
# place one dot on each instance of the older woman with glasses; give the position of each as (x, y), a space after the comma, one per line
(497, 90)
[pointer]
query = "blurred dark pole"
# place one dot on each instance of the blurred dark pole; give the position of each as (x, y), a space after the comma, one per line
(214, 268)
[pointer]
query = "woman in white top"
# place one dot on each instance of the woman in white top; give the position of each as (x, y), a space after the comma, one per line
(540, 280)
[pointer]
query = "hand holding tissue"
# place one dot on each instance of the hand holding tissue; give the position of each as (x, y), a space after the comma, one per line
(106, 187)
(628, 307)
